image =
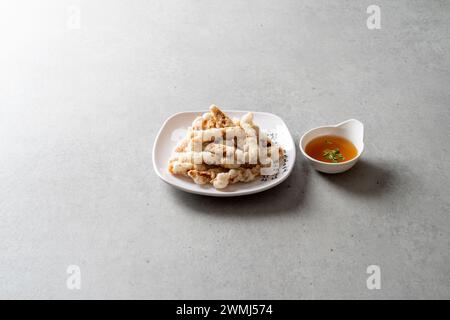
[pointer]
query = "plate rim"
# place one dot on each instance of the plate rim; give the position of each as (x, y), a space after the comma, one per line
(225, 194)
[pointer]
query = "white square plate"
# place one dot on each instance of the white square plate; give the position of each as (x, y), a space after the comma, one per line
(175, 128)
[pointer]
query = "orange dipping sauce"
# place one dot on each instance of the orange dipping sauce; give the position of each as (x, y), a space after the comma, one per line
(332, 149)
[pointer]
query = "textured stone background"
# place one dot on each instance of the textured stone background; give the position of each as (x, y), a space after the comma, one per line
(80, 108)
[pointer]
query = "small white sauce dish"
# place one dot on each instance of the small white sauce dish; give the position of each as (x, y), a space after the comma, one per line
(352, 130)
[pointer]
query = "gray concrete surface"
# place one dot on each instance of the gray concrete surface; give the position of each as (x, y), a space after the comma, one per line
(80, 108)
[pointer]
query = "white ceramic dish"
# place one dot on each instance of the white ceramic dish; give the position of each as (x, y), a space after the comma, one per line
(175, 128)
(352, 130)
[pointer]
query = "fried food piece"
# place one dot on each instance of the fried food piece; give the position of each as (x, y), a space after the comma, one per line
(220, 118)
(204, 176)
(236, 175)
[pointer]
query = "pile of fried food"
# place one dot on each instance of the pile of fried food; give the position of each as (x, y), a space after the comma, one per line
(220, 151)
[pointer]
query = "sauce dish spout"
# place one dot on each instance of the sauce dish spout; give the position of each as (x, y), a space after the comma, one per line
(353, 126)
(354, 130)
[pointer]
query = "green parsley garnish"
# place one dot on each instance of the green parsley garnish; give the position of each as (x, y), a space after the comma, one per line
(334, 155)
